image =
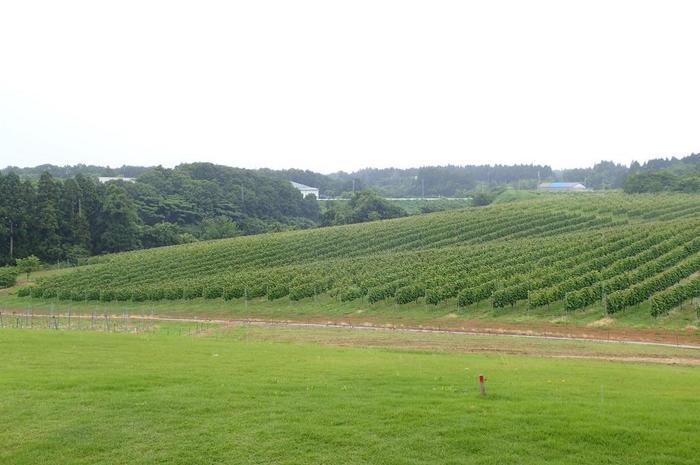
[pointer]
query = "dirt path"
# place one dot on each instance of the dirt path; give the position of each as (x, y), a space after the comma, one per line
(476, 331)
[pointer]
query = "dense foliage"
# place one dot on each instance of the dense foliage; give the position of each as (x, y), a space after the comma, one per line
(678, 175)
(77, 217)
(65, 172)
(575, 250)
(363, 206)
(8, 276)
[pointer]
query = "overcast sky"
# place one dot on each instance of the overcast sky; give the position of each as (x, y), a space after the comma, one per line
(329, 85)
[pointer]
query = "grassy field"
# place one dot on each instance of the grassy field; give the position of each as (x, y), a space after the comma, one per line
(257, 395)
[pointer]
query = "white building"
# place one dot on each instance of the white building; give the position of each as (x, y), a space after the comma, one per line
(104, 179)
(305, 190)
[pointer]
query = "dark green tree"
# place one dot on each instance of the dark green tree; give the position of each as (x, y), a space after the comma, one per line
(120, 230)
(47, 232)
(218, 228)
(363, 206)
(28, 264)
(13, 214)
(162, 234)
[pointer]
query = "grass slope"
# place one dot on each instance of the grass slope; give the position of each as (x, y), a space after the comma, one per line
(89, 398)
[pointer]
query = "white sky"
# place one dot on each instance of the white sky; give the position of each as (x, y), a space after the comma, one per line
(329, 85)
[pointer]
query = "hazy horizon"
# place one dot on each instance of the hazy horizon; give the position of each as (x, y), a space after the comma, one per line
(330, 87)
(321, 172)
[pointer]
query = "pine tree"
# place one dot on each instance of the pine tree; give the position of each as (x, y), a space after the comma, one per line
(46, 219)
(119, 221)
(16, 199)
(89, 209)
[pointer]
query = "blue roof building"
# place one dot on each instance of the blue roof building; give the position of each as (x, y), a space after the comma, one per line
(561, 186)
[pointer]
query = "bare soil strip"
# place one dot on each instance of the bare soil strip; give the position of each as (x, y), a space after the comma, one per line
(497, 331)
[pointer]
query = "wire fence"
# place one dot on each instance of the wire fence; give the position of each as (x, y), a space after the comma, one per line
(101, 322)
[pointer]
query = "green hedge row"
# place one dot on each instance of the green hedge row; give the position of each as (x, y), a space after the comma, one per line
(644, 290)
(665, 301)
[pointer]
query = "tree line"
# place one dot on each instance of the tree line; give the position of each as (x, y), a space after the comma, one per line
(427, 181)
(674, 175)
(73, 218)
(63, 220)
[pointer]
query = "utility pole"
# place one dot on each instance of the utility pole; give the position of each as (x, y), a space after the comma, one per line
(422, 185)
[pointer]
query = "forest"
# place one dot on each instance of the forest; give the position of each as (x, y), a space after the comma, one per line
(76, 217)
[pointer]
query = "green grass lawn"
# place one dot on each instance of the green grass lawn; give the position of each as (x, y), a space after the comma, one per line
(85, 397)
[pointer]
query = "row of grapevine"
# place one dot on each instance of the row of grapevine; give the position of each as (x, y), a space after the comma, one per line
(640, 292)
(664, 301)
(548, 217)
(579, 249)
(647, 265)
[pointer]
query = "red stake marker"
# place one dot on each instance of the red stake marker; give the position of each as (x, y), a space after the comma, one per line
(482, 387)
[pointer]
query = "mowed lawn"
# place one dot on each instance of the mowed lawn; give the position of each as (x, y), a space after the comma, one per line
(72, 397)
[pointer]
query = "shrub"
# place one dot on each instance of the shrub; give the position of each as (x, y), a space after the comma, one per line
(140, 294)
(78, 295)
(436, 295)
(385, 291)
(212, 292)
(234, 292)
(277, 292)
(351, 293)
(93, 294)
(302, 291)
(173, 293)
(64, 294)
(583, 297)
(672, 297)
(8, 276)
(376, 294)
(107, 295)
(25, 291)
(28, 264)
(409, 294)
(49, 293)
(466, 297)
(511, 295)
(156, 293)
(476, 294)
(254, 291)
(192, 292)
(122, 294)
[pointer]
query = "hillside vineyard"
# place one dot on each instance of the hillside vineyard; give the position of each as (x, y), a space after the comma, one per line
(578, 250)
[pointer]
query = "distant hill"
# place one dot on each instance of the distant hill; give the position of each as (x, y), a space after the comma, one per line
(427, 181)
(69, 171)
